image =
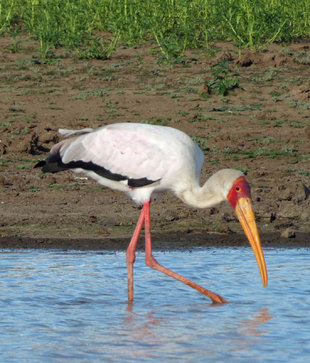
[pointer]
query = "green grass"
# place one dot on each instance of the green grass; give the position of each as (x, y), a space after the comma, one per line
(224, 79)
(237, 108)
(298, 172)
(155, 121)
(288, 152)
(174, 26)
(100, 92)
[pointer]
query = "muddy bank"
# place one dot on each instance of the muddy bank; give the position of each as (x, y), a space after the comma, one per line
(163, 242)
(261, 127)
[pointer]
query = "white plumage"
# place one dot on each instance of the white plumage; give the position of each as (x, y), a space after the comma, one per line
(161, 154)
(143, 160)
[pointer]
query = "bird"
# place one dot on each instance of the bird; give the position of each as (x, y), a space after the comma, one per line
(145, 160)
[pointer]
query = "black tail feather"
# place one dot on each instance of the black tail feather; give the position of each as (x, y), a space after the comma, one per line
(40, 164)
(52, 164)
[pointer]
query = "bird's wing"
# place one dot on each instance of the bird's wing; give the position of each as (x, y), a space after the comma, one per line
(133, 153)
(68, 133)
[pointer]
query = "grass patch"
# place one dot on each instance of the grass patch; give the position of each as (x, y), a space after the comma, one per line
(223, 79)
(236, 108)
(155, 121)
(100, 92)
(24, 166)
(201, 142)
(298, 172)
(288, 151)
(174, 26)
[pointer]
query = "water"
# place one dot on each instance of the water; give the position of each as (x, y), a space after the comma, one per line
(68, 305)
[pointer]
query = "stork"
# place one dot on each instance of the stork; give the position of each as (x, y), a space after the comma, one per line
(145, 160)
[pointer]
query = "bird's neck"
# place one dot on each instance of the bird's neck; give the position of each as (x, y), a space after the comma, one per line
(201, 196)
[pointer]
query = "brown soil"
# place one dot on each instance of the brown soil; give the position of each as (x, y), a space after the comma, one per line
(261, 127)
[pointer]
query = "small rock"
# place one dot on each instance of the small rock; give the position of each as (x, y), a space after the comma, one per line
(3, 180)
(273, 217)
(104, 231)
(245, 61)
(288, 233)
(49, 179)
(281, 60)
(227, 56)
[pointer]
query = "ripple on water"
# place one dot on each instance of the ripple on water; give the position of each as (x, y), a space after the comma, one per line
(57, 305)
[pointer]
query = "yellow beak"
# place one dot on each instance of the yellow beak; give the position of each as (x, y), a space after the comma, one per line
(246, 218)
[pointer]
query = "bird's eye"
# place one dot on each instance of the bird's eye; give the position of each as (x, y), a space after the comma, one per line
(238, 189)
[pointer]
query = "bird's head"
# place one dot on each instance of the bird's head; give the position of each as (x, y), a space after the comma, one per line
(232, 185)
(239, 196)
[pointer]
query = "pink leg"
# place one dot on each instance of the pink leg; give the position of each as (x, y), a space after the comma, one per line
(151, 262)
(130, 254)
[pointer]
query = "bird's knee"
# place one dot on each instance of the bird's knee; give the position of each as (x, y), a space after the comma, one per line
(130, 257)
(150, 261)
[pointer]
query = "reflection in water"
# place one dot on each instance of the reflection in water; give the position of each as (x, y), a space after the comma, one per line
(142, 332)
(147, 331)
(71, 305)
(252, 327)
(141, 326)
(250, 330)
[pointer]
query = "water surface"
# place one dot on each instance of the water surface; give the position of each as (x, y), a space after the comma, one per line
(58, 305)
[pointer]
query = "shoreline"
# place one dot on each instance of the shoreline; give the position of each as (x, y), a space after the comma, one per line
(170, 241)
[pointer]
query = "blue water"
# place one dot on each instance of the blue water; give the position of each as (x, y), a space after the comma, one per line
(67, 305)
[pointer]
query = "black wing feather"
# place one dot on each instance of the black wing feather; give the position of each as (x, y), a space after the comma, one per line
(54, 164)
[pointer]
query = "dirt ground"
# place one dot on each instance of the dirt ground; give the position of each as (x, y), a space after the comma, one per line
(262, 127)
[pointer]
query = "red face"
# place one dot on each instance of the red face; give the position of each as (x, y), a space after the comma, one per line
(240, 189)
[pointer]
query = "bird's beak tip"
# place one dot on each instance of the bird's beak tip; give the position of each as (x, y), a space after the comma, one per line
(246, 217)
